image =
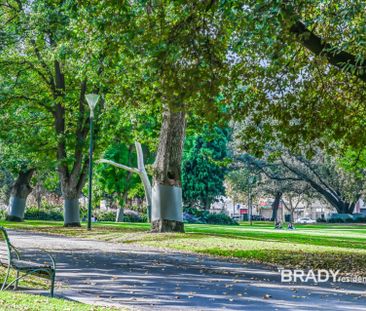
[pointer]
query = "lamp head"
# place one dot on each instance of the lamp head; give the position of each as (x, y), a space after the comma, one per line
(92, 100)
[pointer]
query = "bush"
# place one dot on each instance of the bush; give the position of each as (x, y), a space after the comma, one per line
(34, 213)
(133, 218)
(190, 219)
(193, 215)
(359, 218)
(220, 219)
(106, 216)
(111, 216)
(321, 220)
(347, 218)
(340, 218)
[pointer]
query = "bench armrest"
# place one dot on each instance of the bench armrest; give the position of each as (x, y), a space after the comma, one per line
(43, 252)
(52, 259)
(16, 252)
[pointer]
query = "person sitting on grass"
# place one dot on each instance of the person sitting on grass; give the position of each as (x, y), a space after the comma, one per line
(278, 225)
(290, 226)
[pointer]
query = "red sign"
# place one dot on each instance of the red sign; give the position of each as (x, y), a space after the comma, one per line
(243, 211)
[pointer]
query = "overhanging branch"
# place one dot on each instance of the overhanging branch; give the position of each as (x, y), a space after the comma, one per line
(125, 167)
(318, 46)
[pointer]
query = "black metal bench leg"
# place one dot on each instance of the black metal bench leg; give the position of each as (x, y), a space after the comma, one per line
(53, 276)
(17, 281)
(6, 279)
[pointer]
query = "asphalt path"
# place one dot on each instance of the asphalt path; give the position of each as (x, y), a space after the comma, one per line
(143, 278)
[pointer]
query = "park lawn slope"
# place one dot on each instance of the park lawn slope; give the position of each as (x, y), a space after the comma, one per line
(320, 246)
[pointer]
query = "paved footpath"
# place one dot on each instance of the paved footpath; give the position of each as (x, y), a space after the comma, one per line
(142, 278)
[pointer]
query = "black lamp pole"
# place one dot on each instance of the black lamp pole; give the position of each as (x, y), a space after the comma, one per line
(92, 100)
(90, 172)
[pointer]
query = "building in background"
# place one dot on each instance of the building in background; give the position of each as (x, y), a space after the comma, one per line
(262, 209)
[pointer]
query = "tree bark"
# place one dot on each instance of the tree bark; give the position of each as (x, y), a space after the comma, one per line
(275, 205)
(38, 195)
(144, 178)
(345, 207)
(121, 208)
(71, 205)
(120, 214)
(167, 207)
(18, 196)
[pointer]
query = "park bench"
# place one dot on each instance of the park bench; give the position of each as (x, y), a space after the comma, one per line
(23, 265)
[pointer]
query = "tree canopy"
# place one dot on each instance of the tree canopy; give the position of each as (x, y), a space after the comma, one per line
(203, 167)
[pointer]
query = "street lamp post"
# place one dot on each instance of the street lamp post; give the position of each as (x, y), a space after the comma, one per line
(250, 208)
(249, 205)
(92, 100)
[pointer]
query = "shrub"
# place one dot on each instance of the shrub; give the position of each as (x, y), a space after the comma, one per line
(321, 220)
(359, 218)
(193, 215)
(34, 213)
(106, 216)
(111, 216)
(133, 218)
(220, 219)
(340, 218)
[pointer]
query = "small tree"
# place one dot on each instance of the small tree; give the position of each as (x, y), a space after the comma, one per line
(113, 181)
(203, 168)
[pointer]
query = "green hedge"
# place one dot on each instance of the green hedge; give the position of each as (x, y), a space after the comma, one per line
(34, 213)
(208, 218)
(346, 218)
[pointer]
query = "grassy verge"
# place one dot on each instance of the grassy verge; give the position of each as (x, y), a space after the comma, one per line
(24, 302)
(323, 246)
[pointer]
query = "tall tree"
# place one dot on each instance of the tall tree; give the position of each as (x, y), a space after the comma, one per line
(49, 67)
(24, 152)
(179, 66)
(203, 168)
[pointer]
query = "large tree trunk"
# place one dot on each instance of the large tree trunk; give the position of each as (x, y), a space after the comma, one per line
(71, 206)
(167, 207)
(275, 205)
(120, 214)
(18, 196)
(121, 208)
(38, 195)
(345, 207)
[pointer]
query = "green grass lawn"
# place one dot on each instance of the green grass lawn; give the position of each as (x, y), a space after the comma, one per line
(27, 282)
(331, 246)
(24, 302)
